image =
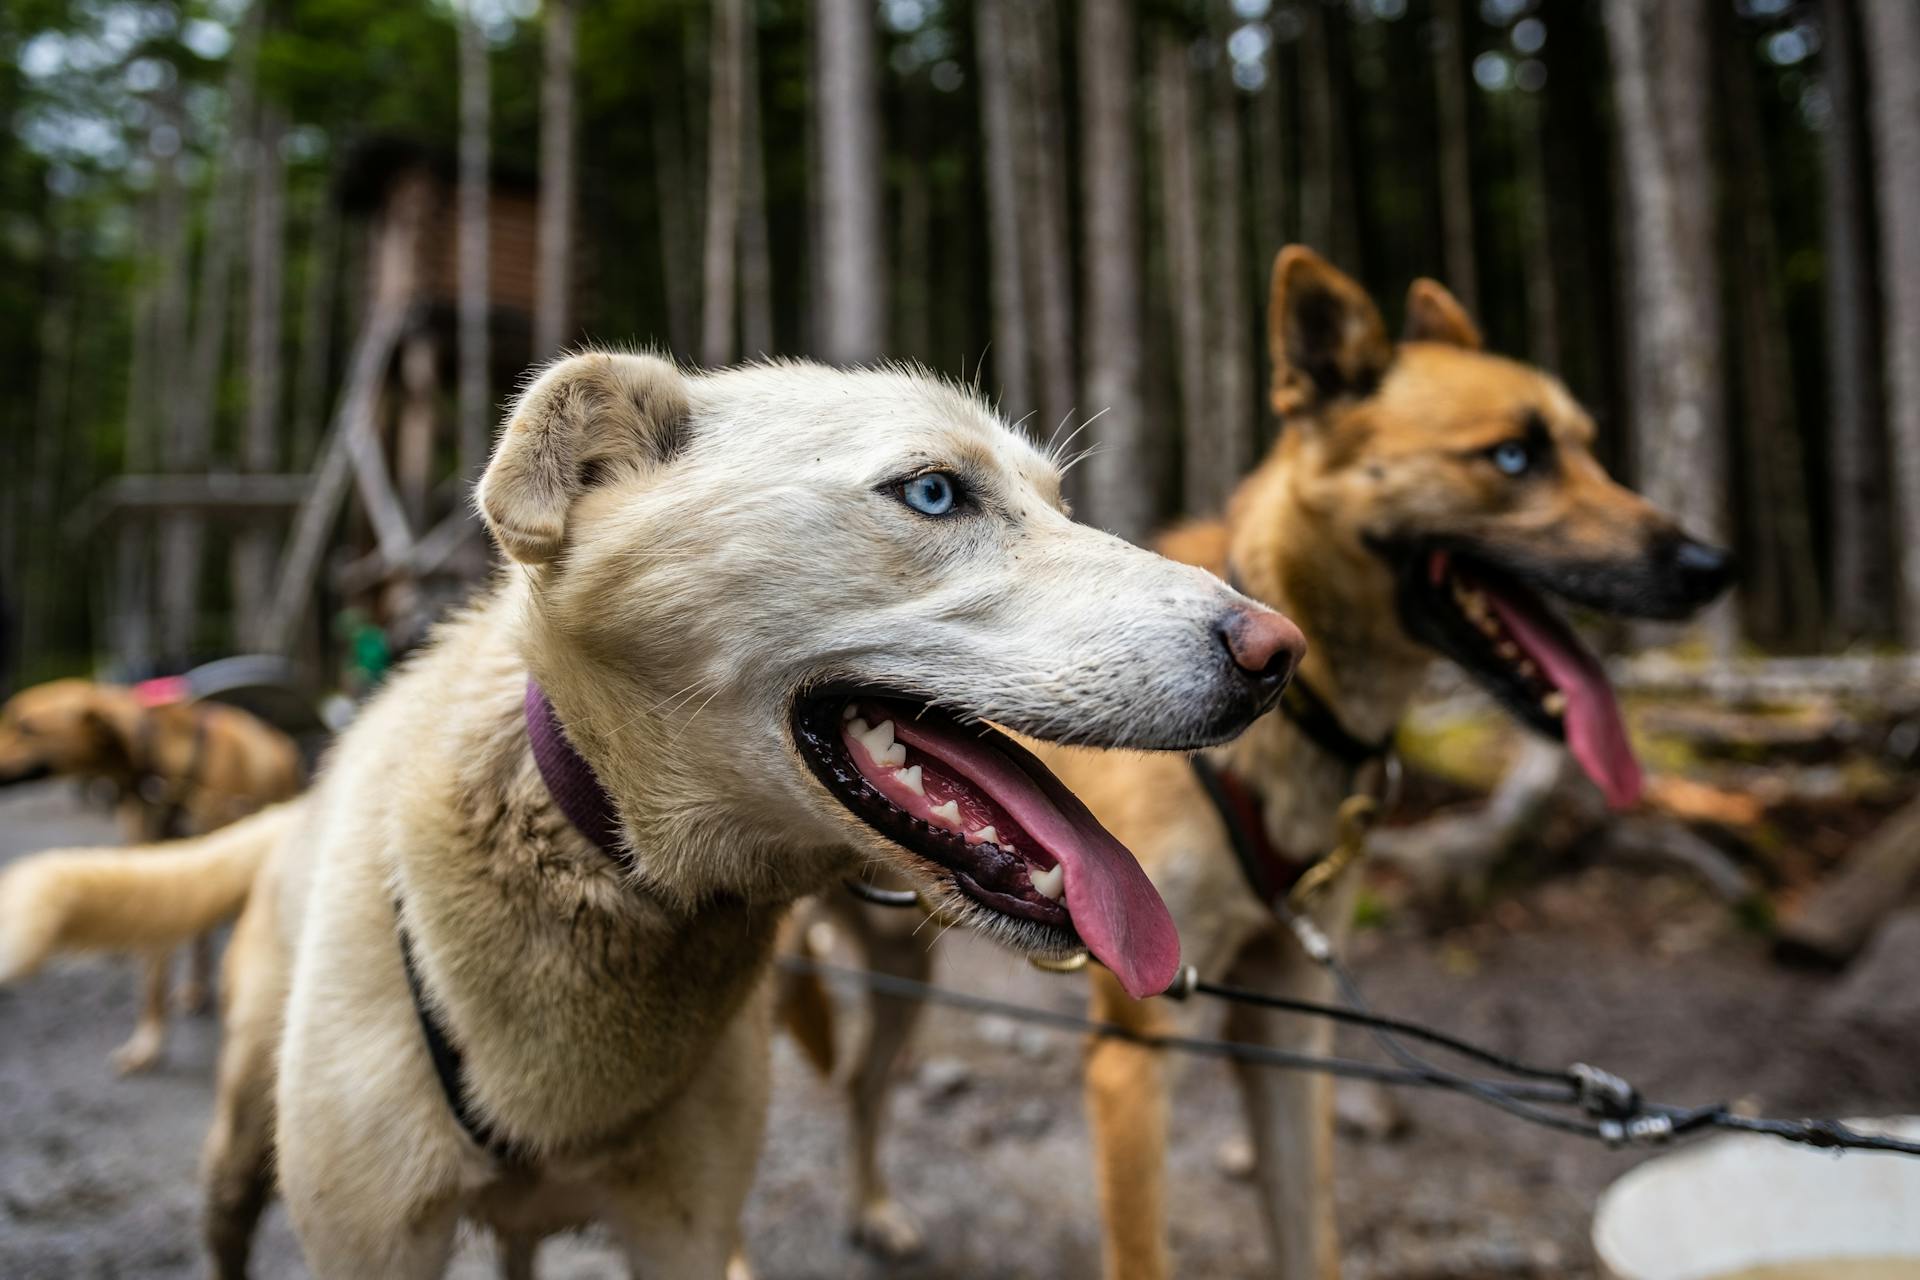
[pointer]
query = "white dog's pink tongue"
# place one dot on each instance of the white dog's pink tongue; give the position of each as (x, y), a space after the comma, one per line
(1596, 734)
(1115, 908)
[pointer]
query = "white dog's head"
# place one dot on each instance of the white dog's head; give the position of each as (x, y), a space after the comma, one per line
(776, 605)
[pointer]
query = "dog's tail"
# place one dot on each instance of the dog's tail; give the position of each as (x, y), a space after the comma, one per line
(131, 899)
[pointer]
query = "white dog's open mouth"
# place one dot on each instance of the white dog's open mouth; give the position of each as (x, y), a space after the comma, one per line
(993, 821)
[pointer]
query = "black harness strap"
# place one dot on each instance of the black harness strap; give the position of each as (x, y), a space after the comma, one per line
(446, 1062)
(578, 794)
(1310, 713)
(1270, 872)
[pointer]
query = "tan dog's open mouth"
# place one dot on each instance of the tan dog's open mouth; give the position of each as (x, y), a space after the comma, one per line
(995, 824)
(1510, 639)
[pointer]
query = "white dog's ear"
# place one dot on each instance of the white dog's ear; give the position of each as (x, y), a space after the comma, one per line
(582, 416)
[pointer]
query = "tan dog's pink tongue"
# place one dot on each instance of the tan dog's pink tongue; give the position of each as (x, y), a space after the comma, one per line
(1115, 908)
(1596, 734)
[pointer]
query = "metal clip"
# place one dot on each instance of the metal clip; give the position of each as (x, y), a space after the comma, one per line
(1357, 816)
(1073, 963)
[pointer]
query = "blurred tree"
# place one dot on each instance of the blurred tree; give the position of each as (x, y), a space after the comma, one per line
(998, 107)
(1203, 470)
(552, 320)
(1456, 149)
(1119, 475)
(1230, 409)
(471, 195)
(1892, 28)
(190, 432)
(1661, 74)
(254, 547)
(853, 231)
(1862, 571)
(726, 86)
(1046, 252)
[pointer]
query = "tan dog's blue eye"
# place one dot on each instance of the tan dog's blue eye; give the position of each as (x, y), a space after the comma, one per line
(1511, 458)
(932, 494)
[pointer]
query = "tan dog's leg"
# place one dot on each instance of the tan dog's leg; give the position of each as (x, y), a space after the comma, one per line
(144, 1047)
(892, 943)
(196, 994)
(1126, 1088)
(516, 1257)
(1290, 1113)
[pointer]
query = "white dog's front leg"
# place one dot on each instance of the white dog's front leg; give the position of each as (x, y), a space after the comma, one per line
(675, 1202)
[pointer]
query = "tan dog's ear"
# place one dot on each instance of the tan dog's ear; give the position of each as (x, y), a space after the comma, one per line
(1435, 315)
(1326, 335)
(112, 719)
(584, 416)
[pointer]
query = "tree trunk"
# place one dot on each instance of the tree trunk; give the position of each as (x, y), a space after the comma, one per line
(1456, 149)
(1661, 74)
(1892, 30)
(191, 435)
(1862, 567)
(1536, 228)
(720, 260)
(472, 199)
(253, 549)
(1045, 254)
(853, 241)
(1012, 354)
(1179, 210)
(756, 254)
(1119, 474)
(553, 301)
(1786, 578)
(128, 599)
(1230, 343)
(312, 374)
(674, 192)
(1317, 160)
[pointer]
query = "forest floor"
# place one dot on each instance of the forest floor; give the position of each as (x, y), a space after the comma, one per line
(1635, 972)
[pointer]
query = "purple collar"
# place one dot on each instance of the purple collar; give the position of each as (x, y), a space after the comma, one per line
(571, 780)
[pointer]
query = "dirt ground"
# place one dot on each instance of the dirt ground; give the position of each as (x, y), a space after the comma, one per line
(989, 1147)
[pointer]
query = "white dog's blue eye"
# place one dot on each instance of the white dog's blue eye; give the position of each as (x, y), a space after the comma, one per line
(1512, 458)
(932, 494)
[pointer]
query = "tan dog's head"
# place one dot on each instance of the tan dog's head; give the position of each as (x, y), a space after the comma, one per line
(66, 728)
(1466, 484)
(795, 596)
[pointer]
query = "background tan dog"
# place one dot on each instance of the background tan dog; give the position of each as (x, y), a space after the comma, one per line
(180, 769)
(1389, 455)
(734, 589)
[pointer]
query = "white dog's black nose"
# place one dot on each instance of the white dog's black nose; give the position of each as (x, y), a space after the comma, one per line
(1264, 645)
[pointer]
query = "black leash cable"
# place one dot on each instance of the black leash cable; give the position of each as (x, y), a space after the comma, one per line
(1625, 1117)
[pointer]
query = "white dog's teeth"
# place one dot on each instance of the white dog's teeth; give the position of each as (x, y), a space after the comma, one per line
(985, 835)
(857, 727)
(1050, 883)
(880, 744)
(848, 712)
(910, 779)
(947, 814)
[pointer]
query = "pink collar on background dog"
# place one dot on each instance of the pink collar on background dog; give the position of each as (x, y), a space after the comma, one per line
(570, 779)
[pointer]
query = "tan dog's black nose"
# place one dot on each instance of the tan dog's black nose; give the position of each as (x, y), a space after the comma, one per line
(1264, 645)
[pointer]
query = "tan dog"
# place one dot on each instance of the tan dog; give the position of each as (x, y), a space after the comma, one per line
(760, 615)
(181, 769)
(1419, 498)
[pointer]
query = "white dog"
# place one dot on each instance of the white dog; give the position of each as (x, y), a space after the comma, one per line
(503, 963)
